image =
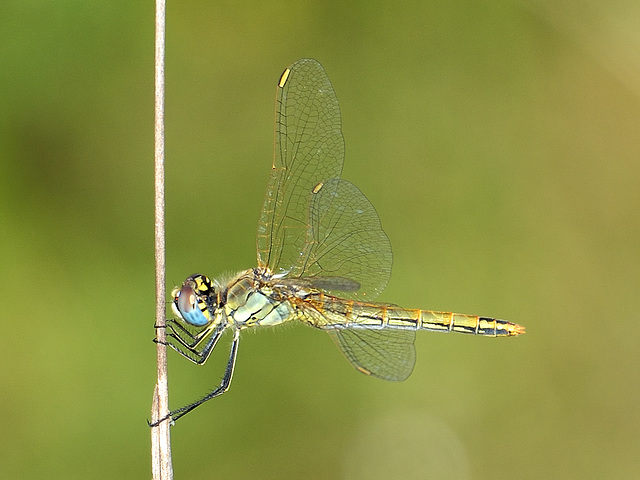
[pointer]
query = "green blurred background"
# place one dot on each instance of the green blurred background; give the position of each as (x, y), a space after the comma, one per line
(499, 142)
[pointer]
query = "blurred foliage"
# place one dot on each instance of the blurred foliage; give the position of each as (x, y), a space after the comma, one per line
(499, 143)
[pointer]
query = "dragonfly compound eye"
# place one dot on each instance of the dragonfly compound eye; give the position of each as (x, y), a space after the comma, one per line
(188, 306)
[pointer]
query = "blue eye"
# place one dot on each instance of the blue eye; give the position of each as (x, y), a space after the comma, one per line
(189, 307)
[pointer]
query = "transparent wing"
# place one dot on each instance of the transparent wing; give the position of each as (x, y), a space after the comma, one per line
(314, 226)
(385, 354)
(309, 148)
(368, 334)
(345, 240)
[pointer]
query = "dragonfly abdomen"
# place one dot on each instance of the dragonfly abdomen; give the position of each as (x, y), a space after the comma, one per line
(352, 314)
(469, 324)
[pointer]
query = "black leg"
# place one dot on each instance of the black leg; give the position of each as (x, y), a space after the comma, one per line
(183, 333)
(200, 353)
(174, 415)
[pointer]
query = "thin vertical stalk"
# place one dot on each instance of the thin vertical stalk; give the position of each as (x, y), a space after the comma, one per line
(160, 437)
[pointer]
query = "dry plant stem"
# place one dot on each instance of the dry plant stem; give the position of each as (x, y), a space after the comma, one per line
(160, 439)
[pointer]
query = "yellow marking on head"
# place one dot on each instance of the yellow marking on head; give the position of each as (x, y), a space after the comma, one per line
(203, 284)
(284, 77)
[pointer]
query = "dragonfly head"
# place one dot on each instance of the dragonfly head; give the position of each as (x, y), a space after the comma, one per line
(193, 301)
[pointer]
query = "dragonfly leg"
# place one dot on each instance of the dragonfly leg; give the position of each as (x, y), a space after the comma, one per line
(183, 333)
(198, 351)
(174, 415)
(184, 336)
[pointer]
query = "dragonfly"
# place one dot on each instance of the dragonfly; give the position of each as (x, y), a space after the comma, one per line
(323, 256)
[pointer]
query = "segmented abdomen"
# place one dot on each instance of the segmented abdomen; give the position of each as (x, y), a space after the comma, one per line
(338, 311)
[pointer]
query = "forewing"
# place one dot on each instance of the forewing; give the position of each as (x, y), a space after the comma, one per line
(309, 149)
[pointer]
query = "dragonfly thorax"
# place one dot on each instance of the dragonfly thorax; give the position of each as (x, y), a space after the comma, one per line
(251, 299)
